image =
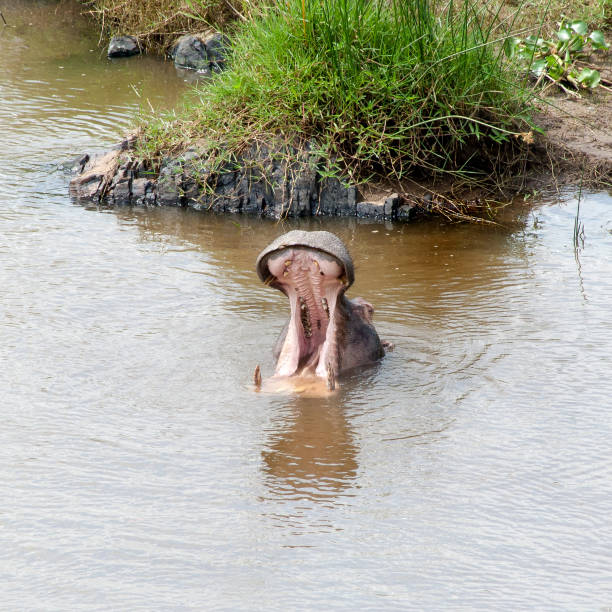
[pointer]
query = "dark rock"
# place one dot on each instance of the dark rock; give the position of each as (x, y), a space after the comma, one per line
(217, 47)
(123, 46)
(335, 198)
(169, 183)
(406, 212)
(276, 180)
(197, 53)
(122, 192)
(142, 190)
(391, 205)
(190, 52)
(120, 188)
(370, 210)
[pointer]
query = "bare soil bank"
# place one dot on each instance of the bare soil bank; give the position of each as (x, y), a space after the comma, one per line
(577, 143)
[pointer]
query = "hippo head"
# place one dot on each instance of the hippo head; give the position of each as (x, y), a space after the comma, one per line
(313, 269)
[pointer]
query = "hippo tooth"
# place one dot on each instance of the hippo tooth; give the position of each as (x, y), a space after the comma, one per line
(331, 377)
(305, 318)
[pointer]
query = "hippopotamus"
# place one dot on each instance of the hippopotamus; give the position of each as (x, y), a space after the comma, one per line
(327, 334)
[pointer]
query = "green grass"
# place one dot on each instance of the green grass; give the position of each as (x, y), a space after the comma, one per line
(381, 87)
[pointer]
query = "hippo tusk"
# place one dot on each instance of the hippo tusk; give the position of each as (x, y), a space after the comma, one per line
(331, 377)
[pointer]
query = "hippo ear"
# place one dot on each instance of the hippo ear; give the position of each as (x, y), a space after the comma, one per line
(325, 242)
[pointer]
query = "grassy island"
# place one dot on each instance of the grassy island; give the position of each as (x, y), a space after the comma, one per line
(388, 92)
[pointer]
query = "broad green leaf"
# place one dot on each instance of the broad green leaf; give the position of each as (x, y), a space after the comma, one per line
(577, 43)
(524, 53)
(597, 40)
(555, 67)
(510, 46)
(580, 27)
(533, 42)
(589, 78)
(564, 34)
(539, 66)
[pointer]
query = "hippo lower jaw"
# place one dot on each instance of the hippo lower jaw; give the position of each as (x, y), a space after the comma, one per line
(315, 283)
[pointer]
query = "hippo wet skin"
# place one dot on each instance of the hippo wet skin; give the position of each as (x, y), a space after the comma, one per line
(327, 334)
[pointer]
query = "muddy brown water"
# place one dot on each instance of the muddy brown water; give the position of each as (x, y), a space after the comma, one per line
(469, 470)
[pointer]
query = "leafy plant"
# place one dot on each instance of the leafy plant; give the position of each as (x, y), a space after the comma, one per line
(557, 59)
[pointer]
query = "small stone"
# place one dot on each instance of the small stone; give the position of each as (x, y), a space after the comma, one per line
(370, 210)
(200, 53)
(405, 212)
(140, 189)
(391, 205)
(122, 193)
(123, 46)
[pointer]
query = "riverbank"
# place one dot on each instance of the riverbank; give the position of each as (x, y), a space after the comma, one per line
(268, 138)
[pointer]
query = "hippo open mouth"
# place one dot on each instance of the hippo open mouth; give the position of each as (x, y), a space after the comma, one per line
(327, 334)
(313, 269)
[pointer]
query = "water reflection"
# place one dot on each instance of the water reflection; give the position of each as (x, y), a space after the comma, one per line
(310, 453)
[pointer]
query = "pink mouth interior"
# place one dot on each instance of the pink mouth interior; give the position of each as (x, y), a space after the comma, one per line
(312, 281)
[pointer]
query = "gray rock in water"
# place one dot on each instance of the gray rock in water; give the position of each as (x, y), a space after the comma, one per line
(217, 47)
(274, 180)
(123, 46)
(370, 210)
(191, 51)
(335, 198)
(169, 183)
(391, 205)
(406, 212)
